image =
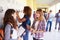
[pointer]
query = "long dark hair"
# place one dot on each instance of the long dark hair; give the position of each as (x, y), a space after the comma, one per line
(27, 10)
(8, 18)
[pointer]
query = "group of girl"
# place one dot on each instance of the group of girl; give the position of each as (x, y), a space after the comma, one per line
(10, 23)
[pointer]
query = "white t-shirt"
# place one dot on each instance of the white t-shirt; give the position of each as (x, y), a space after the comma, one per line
(59, 15)
(50, 17)
(14, 35)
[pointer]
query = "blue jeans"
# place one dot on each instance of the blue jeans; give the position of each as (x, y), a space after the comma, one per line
(49, 22)
(59, 26)
(56, 25)
(25, 37)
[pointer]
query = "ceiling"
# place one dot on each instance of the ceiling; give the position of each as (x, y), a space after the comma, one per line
(47, 2)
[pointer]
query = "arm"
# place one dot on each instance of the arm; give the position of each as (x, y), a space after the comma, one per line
(56, 15)
(28, 27)
(19, 19)
(47, 16)
(28, 23)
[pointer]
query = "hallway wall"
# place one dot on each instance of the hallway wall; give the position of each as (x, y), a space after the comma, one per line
(6, 4)
(55, 8)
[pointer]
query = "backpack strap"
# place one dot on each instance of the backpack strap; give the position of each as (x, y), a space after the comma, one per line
(1, 34)
(11, 31)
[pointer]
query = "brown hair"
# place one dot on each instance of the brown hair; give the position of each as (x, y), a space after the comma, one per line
(59, 10)
(39, 10)
(8, 18)
(27, 10)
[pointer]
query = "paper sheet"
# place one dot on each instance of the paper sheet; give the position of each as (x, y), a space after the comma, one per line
(20, 31)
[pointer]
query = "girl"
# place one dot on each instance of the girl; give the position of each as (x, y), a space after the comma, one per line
(25, 21)
(38, 25)
(10, 24)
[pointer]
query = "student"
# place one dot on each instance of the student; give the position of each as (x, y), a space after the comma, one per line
(49, 20)
(25, 21)
(39, 25)
(10, 24)
(57, 20)
(45, 15)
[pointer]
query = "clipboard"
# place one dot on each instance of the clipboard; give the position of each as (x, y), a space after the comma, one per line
(20, 31)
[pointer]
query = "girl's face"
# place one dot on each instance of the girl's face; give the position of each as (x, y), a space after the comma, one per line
(37, 14)
(14, 15)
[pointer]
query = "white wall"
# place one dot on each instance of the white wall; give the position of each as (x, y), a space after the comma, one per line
(55, 8)
(15, 4)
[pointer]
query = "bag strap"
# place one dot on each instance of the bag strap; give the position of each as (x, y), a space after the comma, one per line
(11, 30)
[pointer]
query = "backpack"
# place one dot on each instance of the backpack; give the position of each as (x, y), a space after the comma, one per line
(1, 34)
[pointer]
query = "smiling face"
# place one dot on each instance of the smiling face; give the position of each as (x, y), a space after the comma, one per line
(37, 14)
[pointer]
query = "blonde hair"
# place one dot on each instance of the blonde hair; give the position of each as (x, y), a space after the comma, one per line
(41, 14)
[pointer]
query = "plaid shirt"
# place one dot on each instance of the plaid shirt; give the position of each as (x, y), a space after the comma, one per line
(41, 26)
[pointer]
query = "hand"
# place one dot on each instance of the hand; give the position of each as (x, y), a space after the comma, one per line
(17, 13)
(11, 35)
(19, 38)
(32, 30)
(17, 28)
